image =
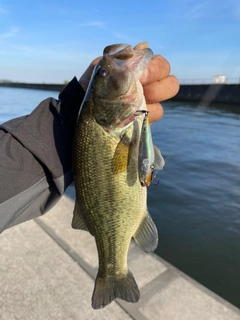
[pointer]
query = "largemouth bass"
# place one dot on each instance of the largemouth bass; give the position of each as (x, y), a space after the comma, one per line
(110, 197)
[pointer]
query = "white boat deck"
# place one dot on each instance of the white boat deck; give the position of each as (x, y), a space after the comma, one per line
(47, 271)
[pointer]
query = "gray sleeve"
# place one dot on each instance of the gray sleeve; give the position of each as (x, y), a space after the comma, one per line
(36, 157)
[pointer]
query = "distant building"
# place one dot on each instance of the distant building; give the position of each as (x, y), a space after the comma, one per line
(220, 78)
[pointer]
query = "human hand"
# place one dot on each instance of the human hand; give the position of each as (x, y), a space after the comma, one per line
(158, 84)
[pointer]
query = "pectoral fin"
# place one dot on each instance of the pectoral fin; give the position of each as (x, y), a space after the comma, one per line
(121, 155)
(158, 159)
(146, 235)
(77, 221)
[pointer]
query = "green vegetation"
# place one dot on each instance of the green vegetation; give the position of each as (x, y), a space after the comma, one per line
(5, 81)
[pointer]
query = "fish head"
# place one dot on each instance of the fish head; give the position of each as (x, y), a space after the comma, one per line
(116, 91)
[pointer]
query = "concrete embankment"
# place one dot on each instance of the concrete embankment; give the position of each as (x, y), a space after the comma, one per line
(47, 272)
(210, 93)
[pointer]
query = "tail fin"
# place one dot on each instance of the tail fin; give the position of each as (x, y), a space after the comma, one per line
(108, 289)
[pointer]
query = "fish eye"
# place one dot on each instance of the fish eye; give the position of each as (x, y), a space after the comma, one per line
(103, 72)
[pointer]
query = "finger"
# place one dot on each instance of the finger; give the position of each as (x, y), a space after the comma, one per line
(161, 90)
(158, 68)
(155, 111)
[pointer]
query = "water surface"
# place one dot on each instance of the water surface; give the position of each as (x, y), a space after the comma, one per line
(196, 205)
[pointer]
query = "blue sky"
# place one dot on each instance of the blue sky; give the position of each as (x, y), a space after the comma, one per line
(54, 40)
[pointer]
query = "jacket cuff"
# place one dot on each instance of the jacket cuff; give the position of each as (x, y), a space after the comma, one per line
(72, 95)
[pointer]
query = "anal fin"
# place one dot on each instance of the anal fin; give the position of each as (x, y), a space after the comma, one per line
(146, 235)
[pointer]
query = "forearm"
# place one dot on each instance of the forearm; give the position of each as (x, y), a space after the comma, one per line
(36, 157)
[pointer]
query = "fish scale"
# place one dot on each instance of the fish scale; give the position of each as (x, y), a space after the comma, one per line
(110, 200)
(102, 192)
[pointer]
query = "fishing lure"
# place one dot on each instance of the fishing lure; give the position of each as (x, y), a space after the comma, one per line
(146, 163)
(149, 156)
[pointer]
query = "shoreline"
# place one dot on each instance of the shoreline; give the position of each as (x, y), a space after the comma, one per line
(204, 93)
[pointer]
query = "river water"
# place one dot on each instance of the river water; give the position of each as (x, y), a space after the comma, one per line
(196, 205)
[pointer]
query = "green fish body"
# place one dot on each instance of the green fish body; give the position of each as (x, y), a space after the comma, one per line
(110, 200)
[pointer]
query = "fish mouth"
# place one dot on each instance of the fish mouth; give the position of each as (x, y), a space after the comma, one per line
(124, 65)
(119, 51)
(130, 59)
